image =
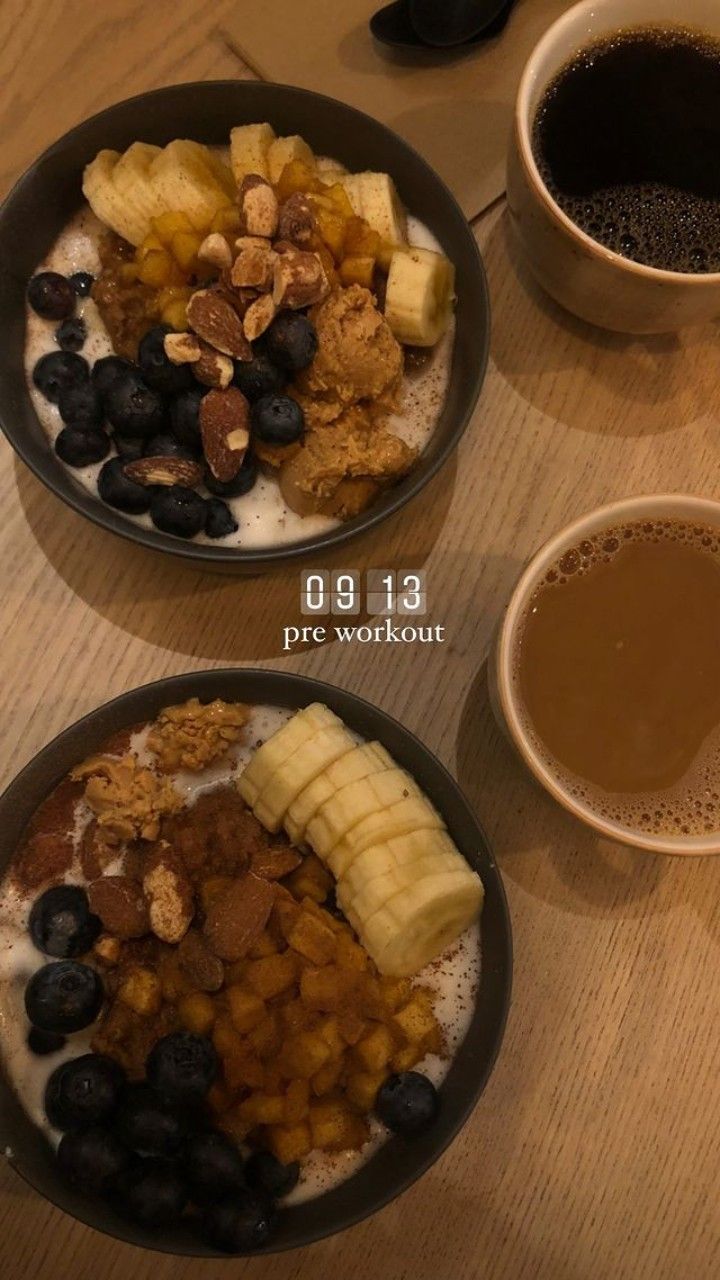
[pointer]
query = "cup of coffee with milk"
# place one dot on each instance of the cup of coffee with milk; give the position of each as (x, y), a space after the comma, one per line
(613, 172)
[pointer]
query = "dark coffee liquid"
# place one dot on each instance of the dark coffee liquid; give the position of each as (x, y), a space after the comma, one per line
(627, 140)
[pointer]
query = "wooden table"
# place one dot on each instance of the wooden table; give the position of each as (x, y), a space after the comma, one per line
(594, 1151)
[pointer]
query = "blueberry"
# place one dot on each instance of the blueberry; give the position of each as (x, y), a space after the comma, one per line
(277, 419)
(81, 448)
(57, 370)
(182, 1066)
(42, 1043)
(129, 448)
(64, 996)
(83, 1091)
(51, 295)
(165, 445)
(71, 334)
(82, 282)
(237, 1224)
(92, 1159)
(265, 1173)
(258, 377)
(154, 1193)
(291, 341)
(240, 484)
(157, 370)
(119, 491)
(61, 922)
(81, 407)
(219, 520)
(178, 510)
(133, 407)
(184, 416)
(106, 370)
(214, 1167)
(146, 1124)
(407, 1103)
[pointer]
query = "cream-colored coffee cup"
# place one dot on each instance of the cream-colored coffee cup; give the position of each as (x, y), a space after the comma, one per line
(591, 281)
(504, 691)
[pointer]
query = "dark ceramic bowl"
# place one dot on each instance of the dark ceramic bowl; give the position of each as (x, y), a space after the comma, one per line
(396, 1164)
(50, 192)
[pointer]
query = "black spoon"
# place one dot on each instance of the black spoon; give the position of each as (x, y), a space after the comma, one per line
(391, 26)
(443, 23)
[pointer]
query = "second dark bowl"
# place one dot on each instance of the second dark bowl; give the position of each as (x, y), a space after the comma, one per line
(50, 192)
(397, 1164)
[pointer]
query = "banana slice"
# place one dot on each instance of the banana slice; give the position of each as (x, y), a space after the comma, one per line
(420, 921)
(249, 145)
(214, 163)
(358, 763)
(131, 177)
(355, 803)
(404, 854)
(315, 755)
(415, 813)
(183, 182)
(116, 211)
(374, 197)
(278, 749)
(283, 150)
(419, 297)
(376, 892)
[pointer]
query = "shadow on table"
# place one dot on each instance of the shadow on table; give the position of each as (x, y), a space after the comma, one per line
(205, 614)
(586, 377)
(529, 830)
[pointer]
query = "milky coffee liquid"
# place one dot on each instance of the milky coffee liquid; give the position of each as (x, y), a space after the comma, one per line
(618, 672)
(627, 139)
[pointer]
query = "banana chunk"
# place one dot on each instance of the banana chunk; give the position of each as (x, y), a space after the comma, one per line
(283, 150)
(420, 921)
(316, 754)
(374, 197)
(415, 813)
(359, 763)
(122, 214)
(278, 749)
(419, 297)
(354, 804)
(249, 146)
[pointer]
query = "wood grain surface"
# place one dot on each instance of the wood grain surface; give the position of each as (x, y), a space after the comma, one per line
(594, 1152)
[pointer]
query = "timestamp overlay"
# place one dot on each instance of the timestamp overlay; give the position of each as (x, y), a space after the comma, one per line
(381, 606)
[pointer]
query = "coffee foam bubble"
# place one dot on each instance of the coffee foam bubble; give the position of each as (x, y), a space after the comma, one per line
(692, 806)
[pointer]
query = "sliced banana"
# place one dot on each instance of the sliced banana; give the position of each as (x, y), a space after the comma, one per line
(419, 921)
(249, 146)
(120, 214)
(131, 177)
(354, 804)
(283, 150)
(414, 813)
(374, 197)
(185, 183)
(419, 296)
(359, 763)
(403, 853)
(274, 753)
(285, 785)
(376, 892)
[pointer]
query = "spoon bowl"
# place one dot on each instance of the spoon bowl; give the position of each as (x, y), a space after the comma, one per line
(452, 22)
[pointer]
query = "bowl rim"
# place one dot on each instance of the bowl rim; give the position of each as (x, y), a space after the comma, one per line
(300, 690)
(396, 497)
(634, 508)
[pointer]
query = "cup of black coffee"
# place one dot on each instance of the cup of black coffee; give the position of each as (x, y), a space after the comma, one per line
(613, 172)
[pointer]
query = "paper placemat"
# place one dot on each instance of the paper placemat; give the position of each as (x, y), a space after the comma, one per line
(455, 110)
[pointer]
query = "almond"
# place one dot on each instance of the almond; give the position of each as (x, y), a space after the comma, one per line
(198, 963)
(273, 864)
(225, 430)
(258, 206)
(182, 348)
(215, 250)
(254, 269)
(297, 220)
(237, 917)
(170, 900)
(120, 904)
(214, 369)
(298, 279)
(259, 316)
(165, 471)
(213, 318)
